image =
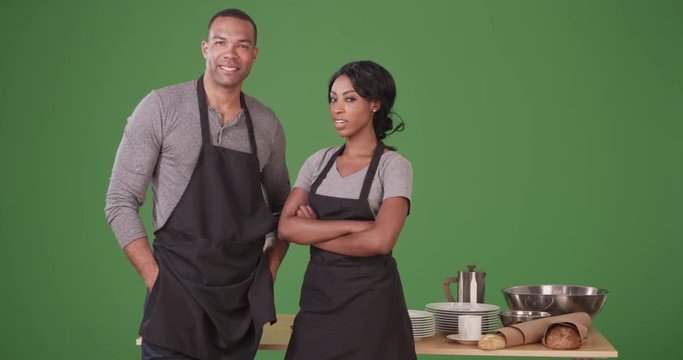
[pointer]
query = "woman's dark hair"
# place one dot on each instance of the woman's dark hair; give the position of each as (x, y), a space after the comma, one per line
(235, 13)
(373, 82)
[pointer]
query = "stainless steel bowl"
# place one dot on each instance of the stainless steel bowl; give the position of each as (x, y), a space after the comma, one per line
(511, 317)
(556, 299)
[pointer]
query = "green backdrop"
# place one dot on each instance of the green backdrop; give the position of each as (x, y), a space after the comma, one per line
(545, 138)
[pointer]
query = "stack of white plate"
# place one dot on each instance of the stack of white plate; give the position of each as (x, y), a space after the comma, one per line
(423, 323)
(446, 316)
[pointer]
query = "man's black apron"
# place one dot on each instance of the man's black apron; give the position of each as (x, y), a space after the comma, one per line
(214, 292)
(351, 307)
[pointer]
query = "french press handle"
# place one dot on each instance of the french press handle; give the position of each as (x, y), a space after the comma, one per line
(447, 287)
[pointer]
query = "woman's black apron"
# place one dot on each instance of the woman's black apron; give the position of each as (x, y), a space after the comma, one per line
(214, 292)
(351, 307)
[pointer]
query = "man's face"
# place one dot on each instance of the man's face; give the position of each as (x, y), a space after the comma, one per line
(229, 52)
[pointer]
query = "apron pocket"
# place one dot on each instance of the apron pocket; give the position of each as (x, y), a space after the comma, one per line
(214, 262)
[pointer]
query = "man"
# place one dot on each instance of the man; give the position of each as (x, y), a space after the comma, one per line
(211, 154)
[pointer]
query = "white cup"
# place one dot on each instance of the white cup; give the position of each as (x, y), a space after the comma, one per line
(469, 327)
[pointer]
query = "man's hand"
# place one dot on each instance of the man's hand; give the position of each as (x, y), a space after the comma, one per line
(141, 257)
(275, 250)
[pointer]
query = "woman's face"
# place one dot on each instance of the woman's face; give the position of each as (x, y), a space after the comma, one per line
(351, 114)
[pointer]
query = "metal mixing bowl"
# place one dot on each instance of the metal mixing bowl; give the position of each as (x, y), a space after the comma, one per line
(511, 317)
(556, 299)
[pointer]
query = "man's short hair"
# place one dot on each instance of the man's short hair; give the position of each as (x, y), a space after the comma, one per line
(235, 13)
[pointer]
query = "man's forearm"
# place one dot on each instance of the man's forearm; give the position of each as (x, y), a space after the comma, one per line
(140, 255)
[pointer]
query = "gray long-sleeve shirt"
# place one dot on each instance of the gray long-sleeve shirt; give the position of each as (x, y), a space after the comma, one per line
(161, 144)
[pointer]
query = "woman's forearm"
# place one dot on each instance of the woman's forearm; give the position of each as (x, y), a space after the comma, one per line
(299, 224)
(380, 239)
(365, 243)
(311, 231)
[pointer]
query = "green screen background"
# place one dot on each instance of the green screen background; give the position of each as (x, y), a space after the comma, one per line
(545, 138)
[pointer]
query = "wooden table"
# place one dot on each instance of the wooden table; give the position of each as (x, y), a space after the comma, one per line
(277, 336)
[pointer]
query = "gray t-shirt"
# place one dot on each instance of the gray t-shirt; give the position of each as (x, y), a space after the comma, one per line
(161, 144)
(394, 177)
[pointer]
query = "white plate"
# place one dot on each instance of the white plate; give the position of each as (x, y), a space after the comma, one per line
(462, 307)
(456, 314)
(456, 328)
(484, 319)
(418, 314)
(455, 322)
(431, 323)
(424, 333)
(442, 323)
(424, 328)
(417, 322)
(462, 312)
(458, 338)
(455, 318)
(424, 325)
(455, 331)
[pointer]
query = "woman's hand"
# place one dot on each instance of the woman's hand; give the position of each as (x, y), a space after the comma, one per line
(306, 211)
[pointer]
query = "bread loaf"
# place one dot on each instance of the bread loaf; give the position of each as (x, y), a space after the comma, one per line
(491, 342)
(562, 337)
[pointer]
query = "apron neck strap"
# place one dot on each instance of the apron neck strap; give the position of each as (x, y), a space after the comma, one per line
(326, 169)
(372, 169)
(250, 128)
(203, 111)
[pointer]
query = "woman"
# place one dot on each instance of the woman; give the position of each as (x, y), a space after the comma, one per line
(349, 204)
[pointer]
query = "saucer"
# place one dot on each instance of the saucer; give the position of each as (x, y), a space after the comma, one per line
(459, 339)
